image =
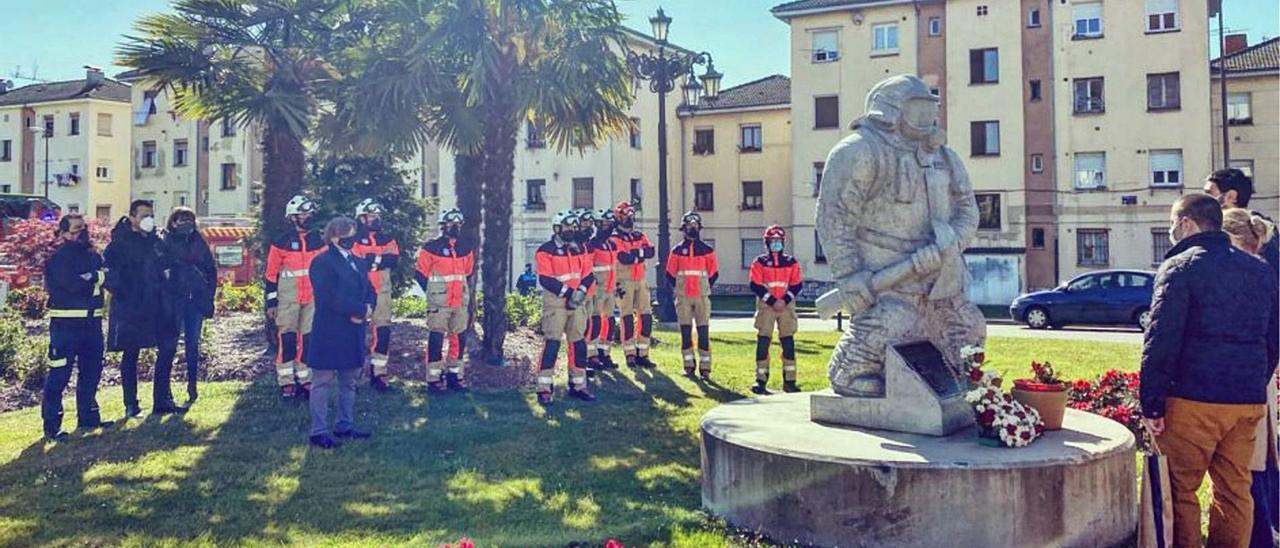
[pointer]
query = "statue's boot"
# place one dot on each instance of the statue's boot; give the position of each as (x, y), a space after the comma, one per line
(867, 385)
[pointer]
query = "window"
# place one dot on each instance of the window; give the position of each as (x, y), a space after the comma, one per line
(104, 126)
(533, 135)
(148, 154)
(103, 172)
(1091, 170)
(180, 198)
(73, 208)
(228, 128)
(1033, 18)
(635, 133)
(228, 176)
(5, 189)
(637, 193)
(1091, 248)
(984, 138)
(1166, 167)
(935, 26)
(751, 248)
(988, 211)
(1162, 15)
(1243, 165)
(6, 150)
(103, 213)
(1037, 238)
(584, 189)
(1160, 244)
(180, 152)
(751, 139)
(535, 195)
(704, 197)
(984, 66)
(982, 11)
(704, 141)
(752, 196)
(1034, 90)
(817, 177)
(884, 38)
(819, 256)
(48, 125)
(1037, 163)
(73, 126)
(1163, 91)
(826, 112)
(1088, 96)
(148, 108)
(1239, 109)
(1088, 20)
(826, 47)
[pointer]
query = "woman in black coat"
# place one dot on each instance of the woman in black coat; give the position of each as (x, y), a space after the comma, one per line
(190, 286)
(344, 303)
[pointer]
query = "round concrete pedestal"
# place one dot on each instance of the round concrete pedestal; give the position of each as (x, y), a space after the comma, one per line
(767, 468)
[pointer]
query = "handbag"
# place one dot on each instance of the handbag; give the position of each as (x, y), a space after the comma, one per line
(1155, 516)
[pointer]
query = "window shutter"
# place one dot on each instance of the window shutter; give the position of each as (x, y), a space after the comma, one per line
(1172, 86)
(975, 65)
(825, 41)
(977, 138)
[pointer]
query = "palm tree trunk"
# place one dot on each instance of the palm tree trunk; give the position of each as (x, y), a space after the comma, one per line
(469, 187)
(283, 164)
(498, 170)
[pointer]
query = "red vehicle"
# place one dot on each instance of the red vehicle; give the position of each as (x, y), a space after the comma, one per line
(231, 253)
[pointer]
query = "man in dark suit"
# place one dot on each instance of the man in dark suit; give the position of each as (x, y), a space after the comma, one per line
(344, 303)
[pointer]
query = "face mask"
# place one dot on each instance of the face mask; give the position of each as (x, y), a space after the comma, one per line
(692, 233)
(628, 223)
(375, 225)
(775, 247)
(1174, 238)
(184, 229)
(452, 231)
(83, 237)
(148, 224)
(302, 223)
(347, 243)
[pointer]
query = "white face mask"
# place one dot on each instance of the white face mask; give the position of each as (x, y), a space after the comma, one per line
(148, 224)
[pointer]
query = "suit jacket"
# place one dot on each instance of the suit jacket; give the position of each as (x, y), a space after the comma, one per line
(342, 290)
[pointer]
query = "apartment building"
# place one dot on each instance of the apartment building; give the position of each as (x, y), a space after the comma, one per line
(1253, 116)
(736, 171)
(213, 167)
(1060, 109)
(69, 140)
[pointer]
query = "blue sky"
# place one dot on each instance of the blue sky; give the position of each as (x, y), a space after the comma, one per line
(747, 42)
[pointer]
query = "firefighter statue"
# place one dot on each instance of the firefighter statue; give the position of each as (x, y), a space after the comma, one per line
(895, 211)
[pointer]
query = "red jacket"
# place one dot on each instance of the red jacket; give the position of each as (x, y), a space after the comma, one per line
(290, 258)
(776, 276)
(692, 268)
(380, 253)
(563, 268)
(604, 255)
(448, 262)
(633, 249)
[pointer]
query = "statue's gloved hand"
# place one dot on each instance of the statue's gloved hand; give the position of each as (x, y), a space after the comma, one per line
(856, 290)
(927, 259)
(944, 237)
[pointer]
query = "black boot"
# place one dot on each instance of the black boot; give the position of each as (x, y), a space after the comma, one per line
(760, 389)
(379, 383)
(790, 387)
(453, 382)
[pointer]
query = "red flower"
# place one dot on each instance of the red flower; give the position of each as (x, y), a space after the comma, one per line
(1039, 428)
(987, 417)
(613, 544)
(1025, 436)
(1008, 398)
(1011, 429)
(1021, 415)
(465, 542)
(975, 374)
(980, 357)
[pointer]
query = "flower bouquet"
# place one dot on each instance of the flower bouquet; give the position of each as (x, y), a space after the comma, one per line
(1002, 421)
(1045, 392)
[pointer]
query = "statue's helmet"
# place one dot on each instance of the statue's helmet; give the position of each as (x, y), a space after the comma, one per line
(887, 99)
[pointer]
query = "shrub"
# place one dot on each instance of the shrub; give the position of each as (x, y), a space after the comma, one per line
(524, 310)
(31, 302)
(409, 306)
(1113, 395)
(22, 357)
(28, 243)
(232, 298)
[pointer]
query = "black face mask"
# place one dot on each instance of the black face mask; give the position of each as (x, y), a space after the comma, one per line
(347, 243)
(628, 223)
(184, 229)
(452, 231)
(83, 237)
(375, 225)
(692, 233)
(302, 224)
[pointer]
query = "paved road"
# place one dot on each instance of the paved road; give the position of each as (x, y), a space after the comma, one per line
(1098, 334)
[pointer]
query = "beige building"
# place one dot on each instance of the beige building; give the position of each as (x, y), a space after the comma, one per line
(736, 171)
(80, 149)
(214, 167)
(1067, 147)
(1253, 117)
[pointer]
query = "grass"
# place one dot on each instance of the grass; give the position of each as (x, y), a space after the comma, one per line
(490, 466)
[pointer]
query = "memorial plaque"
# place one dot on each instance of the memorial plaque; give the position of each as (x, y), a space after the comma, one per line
(926, 360)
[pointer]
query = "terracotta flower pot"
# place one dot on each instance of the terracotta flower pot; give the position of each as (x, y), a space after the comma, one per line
(1050, 400)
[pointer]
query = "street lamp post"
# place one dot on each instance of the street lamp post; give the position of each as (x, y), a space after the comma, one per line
(34, 130)
(662, 70)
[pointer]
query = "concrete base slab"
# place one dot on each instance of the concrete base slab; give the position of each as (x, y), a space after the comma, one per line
(935, 417)
(767, 467)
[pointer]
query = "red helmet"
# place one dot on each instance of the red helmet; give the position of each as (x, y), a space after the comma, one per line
(775, 232)
(624, 209)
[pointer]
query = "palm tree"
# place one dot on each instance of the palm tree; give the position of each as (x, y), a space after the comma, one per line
(246, 61)
(480, 69)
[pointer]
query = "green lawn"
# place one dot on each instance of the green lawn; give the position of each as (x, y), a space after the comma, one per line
(491, 466)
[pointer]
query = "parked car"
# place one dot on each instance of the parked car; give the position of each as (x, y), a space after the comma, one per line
(1109, 297)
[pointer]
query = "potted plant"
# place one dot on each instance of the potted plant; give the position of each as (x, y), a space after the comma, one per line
(1045, 392)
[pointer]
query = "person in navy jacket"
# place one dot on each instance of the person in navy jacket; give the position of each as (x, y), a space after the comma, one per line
(344, 304)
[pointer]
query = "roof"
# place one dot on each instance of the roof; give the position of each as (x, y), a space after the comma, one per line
(648, 39)
(767, 91)
(798, 7)
(1263, 56)
(108, 90)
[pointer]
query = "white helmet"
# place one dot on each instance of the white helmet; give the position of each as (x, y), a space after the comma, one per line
(368, 206)
(564, 217)
(452, 215)
(299, 204)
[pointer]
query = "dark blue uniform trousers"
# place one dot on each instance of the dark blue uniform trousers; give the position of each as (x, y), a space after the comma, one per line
(73, 342)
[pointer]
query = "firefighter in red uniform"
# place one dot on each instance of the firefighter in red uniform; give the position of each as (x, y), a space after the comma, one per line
(289, 299)
(380, 254)
(604, 259)
(633, 288)
(775, 279)
(692, 270)
(564, 273)
(443, 268)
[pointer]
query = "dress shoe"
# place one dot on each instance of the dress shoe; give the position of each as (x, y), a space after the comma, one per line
(95, 425)
(57, 436)
(131, 411)
(325, 441)
(168, 409)
(354, 434)
(192, 393)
